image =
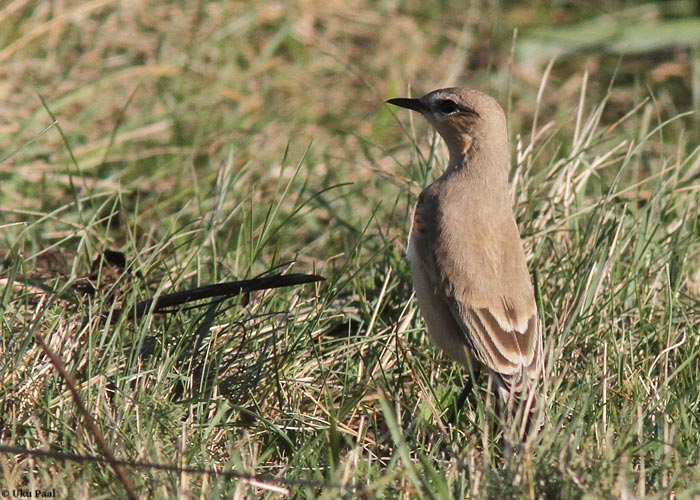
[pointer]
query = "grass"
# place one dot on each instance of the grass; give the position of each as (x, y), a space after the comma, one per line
(223, 140)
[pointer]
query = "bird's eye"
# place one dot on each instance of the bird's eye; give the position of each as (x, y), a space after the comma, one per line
(447, 106)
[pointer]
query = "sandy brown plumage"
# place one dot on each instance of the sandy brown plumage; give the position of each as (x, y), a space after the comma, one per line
(466, 256)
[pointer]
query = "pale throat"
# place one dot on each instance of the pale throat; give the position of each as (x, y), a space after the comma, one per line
(459, 149)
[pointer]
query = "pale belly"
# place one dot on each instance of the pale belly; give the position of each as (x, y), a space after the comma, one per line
(442, 328)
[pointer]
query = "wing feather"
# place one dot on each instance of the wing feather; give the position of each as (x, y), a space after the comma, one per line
(495, 313)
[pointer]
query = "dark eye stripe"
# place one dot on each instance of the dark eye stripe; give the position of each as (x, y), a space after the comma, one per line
(469, 110)
(448, 106)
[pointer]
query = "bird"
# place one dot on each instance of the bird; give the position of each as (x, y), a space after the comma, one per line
(465, 253)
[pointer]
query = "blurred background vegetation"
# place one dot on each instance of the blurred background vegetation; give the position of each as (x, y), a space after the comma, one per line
(152, 96)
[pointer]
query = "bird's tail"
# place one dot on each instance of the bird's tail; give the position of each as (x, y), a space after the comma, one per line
(520, 398)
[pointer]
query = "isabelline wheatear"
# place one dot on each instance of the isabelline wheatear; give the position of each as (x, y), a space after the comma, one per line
(465, 252)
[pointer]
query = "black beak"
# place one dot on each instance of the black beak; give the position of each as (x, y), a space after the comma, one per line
(414, 104)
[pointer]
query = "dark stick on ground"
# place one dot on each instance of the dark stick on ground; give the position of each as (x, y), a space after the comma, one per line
(160, 303)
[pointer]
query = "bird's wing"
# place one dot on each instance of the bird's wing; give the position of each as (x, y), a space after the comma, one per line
(481, 274)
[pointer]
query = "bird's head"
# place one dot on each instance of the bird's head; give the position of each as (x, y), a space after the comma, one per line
(465, 118)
